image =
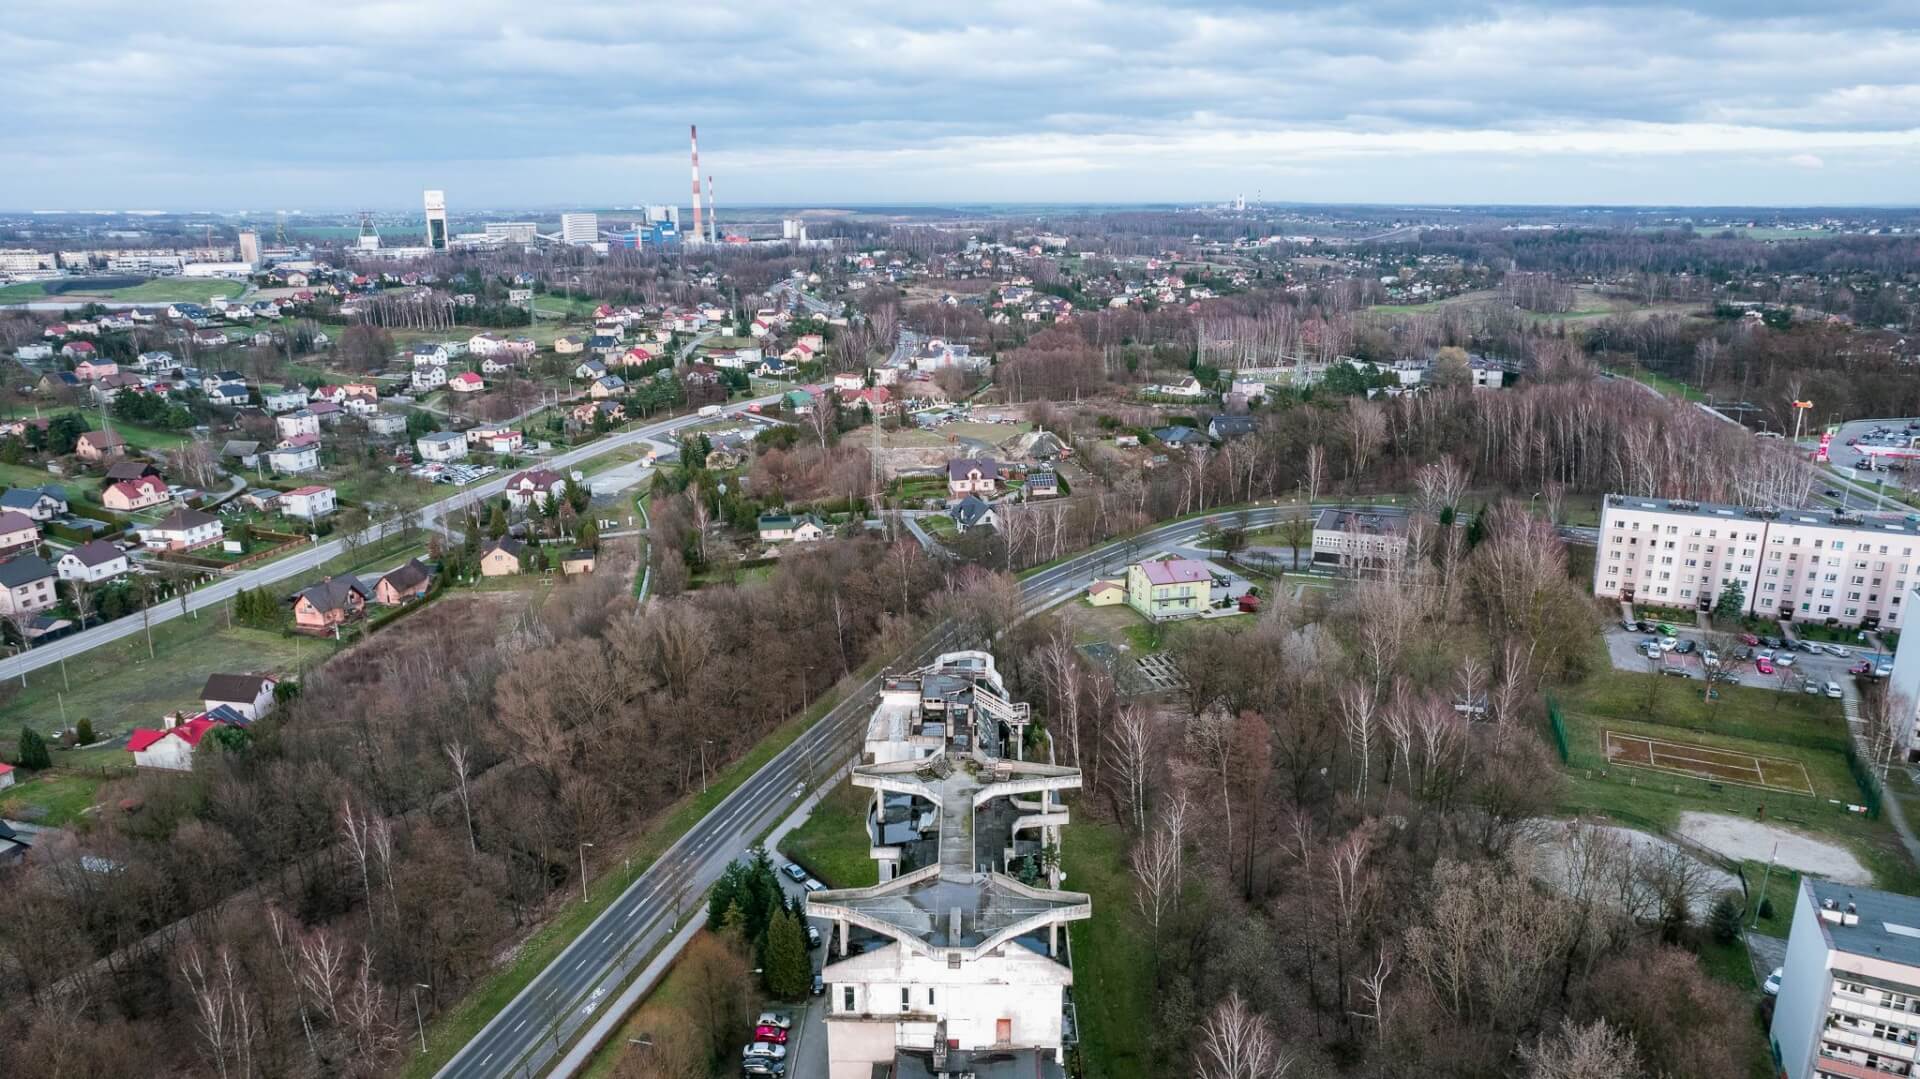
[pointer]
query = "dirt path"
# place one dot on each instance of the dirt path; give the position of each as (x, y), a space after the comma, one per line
(1739, 838)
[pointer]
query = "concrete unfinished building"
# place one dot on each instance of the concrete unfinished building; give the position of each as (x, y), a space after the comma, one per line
(954, 963)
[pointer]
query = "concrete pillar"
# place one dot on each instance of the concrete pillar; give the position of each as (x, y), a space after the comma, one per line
(1053, 939)
(841, 927)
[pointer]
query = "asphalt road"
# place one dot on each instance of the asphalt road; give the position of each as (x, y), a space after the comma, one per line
(317, 555)
(532, 1028)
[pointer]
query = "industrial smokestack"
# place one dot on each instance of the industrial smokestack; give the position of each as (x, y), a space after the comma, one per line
(713, 215)
(694, 135)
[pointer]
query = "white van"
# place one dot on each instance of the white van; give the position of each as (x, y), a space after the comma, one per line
(710, 410)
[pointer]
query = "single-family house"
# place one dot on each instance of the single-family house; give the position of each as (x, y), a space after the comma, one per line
(1221, 428)
(328, 605)
(499, 365)
(77, 350)
(442, 446)
(1180, 436)
(172, 748)
(26, 585)
(1169, 588)
(40, 503)
(251, 695)
(579, 560)
(466, 382)
(18, 532)
(99, 445)
(569, 344)
(1106, 593)
(59, 383)
(972, 476)
(297, 423)
(426, 379)
(606, 387)
(92, 562)
(93, 367)
(501, 558)
(589, 369)
(136, 494)
(295, 457)
(790, 528)
(386, 423)
(589, 412)
(364, 403)
(182, 530)
(241, 451)
(403, 584)
(1042, 483)
(430, 354)
(974, 512)
(533, 487)
(32, 353)
(311, 502)
(286, 400)
(486, 344)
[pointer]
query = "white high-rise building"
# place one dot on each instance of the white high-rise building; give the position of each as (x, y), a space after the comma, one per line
(579, 228)
(658, 214)
(511, 232)
(436, 220)
(952, 964)
(1849, 1003)
(250, 247)
(793, 229)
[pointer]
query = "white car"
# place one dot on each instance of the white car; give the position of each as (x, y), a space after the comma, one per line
(1883, 670)
(1709, 658)
(1833, 690)
(1840, 650)
(774, 1019)
(1812, 649)
(764, 1049)
(1784, 659)
(1772, 985)
(1668, 644)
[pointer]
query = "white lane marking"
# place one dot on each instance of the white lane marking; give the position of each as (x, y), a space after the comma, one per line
(520, 1024)
(581, 963)
(606, 938)
(483, 1062)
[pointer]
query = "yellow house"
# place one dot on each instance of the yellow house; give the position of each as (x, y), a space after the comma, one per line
(1174, 588)
(501, 558)
(1106, 593)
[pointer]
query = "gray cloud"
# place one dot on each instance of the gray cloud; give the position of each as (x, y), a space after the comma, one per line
(223, 103)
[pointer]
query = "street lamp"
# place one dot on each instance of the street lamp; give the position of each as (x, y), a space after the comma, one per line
(418, 1021)
(583, 871)
(704, 743)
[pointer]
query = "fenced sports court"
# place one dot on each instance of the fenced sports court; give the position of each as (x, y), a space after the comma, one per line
(1704, 762)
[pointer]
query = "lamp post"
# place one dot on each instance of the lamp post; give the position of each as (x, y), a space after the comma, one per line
(583, 871)
(704, 743)
(418, 1020)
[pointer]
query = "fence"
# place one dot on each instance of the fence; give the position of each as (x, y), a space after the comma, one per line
(1864, 778)
(1558, 726)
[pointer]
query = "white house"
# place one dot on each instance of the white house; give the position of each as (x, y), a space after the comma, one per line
(295, 424)
(533, 487)
(312, 502)
(442, 446)
(251, 695)
(466, 382)
(428, 378)
(181, 530)
(287, 400)
(172, 747)
(292, 460)
(92, 562)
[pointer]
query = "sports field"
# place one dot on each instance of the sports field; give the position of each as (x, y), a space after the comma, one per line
(1705, 762)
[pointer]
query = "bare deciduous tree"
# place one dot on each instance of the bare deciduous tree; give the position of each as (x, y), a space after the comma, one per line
(1237, 1043)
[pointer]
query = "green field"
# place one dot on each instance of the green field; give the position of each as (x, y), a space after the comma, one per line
(1113, 966)
(157, 290)
(833, 843)
(54, 799)
(1747, 719)
(118, 686)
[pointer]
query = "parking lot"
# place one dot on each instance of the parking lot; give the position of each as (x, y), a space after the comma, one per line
(1792, 668)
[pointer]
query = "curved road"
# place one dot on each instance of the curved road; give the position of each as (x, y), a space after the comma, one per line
(319, 554)
(567, 996)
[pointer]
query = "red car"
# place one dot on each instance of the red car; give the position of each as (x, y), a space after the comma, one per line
(770, 1034)
(1749, 639)
(1763, 665)
(1862, 667)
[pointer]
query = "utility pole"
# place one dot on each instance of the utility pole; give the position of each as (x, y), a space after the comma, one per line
(583, 871)
(417, 1019)
(1768, 872)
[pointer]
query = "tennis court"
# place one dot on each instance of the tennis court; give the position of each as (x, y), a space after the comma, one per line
(1704, 762)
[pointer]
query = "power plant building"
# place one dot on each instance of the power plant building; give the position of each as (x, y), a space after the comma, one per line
(436, 220)
(579, 228)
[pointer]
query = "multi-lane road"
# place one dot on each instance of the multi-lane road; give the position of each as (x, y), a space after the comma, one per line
(311, 558)
(569, 993)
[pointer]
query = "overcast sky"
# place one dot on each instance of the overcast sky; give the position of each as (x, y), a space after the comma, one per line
(269, 104)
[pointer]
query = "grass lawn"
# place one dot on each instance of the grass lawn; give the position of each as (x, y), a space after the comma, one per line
(919, 487)
(1672, 387)
(833, 844)
(1813, 631)
(1113, 973)
(661, 1007)
(168, 289)
(117, 686)
(1783, 888)
(368, 486)
(54, 799)
(939, 525)
(457, 1026)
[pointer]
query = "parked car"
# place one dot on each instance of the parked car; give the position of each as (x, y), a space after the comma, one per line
(770, 1035)
(1833, 690)
(1763, 665)
(1748, 638)
(1667, 644)
(793, 870)
(1725, 677)
(1677, 672)
(774, 1019)
(1709, 658)
(756, 1065)
(1883, 670)
(1666, 629)
(1784, 659)
(1766, 654)
(819, 985)
(1811, 686)
(1810, 648)
(1770, 642)
(815, 886)
(813, 936)
(1685, 648)
(1862, 667)
(1840, 650)
(1629, 625)
(765, 1049)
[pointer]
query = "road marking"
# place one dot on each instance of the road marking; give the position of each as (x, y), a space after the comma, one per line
(608, 937)
(582, 963)
(520, 1024)
(483, 1062)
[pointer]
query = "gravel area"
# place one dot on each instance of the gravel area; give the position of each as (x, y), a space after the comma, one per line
(1547, 857)
(1737, 837)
